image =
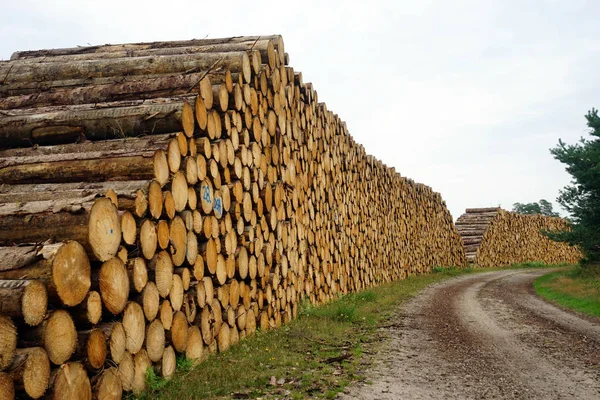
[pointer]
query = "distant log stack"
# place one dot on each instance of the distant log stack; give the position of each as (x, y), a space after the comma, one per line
(173, 197)
(494, 237)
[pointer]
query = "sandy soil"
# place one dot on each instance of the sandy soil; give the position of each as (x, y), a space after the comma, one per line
(484, 336)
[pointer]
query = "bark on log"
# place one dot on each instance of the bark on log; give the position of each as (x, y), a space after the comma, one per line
(22, 71)
(117, 89)
(93, 223)
(67, 124)
(65, 271)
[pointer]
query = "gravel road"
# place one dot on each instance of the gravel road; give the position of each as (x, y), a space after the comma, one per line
(484, 336)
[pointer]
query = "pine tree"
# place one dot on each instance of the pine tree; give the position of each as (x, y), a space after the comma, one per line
(582, 198)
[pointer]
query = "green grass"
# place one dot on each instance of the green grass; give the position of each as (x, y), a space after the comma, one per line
(577, 288)
(301, 352)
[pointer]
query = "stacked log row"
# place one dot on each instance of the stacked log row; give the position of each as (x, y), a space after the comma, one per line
(495, 237)
(170, 198)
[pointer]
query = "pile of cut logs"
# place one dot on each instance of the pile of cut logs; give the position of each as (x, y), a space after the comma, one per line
(494, 237)
(170, 198)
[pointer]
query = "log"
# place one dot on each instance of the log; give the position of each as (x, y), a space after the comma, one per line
(67, 124)
(8, 341)
(178, 334)
(23, 71)
(57, 334)
(7, 386)
(115, 89)
(30, 370)
(27, 299)
(92, 345)
(134, 326)
(108, 386)
(194, 349)
(127, 371)
(117, 342)
(72, 382)
(89, 311)
(109, 48)
(155, 340)
(168, 363)
(93, 223)
(97, 167)
(66, 271)
(141, 364)
(114, 285)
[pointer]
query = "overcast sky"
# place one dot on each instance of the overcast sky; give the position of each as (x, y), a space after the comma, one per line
(464, 96)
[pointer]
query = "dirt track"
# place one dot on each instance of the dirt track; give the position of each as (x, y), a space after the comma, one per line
(484, 336)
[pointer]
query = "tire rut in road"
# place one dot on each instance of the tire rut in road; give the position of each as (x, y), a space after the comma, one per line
(477, 337)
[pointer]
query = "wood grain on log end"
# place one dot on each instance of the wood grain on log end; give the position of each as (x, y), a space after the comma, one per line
(104, 229)
(72, 383)
(135, 327)
(7, 386)
(109, 386)
(71, 267)
(114, 285)
(60, 337)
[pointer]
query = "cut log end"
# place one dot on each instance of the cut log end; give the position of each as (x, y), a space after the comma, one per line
(34, 303)
(72, 382)
(96, 349)
(155, 340)
(114, 285)
(104, 229)
(71, 266)
(141, 364)
(127, 371)
(94, 307)
(135, 327)
(7, 386)
(169, 362)
(8, 341)
(34, 372)
(117, 342)
(194, 347)
(60, 337)
(109, 386)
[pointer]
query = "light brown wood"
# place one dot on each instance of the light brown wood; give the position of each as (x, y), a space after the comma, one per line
(134, 326)
(72, 383)
(27, 299)
(58, 335)
(127, 371)
(155, 340)
(114, 285)
(8, 341)
(493, 237)
(30, 371)
(108, 386)
(141, 364)
(117, 342)
(7, 386)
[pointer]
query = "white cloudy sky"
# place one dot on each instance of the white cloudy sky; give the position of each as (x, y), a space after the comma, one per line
(465, 96)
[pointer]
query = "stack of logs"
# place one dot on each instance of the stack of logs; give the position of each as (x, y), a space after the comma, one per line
(169, 198)
(494, 237)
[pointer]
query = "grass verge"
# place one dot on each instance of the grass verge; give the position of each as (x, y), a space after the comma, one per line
(316, 355)
(576, 288)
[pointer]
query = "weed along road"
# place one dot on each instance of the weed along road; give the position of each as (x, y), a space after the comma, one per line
(484, 336)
